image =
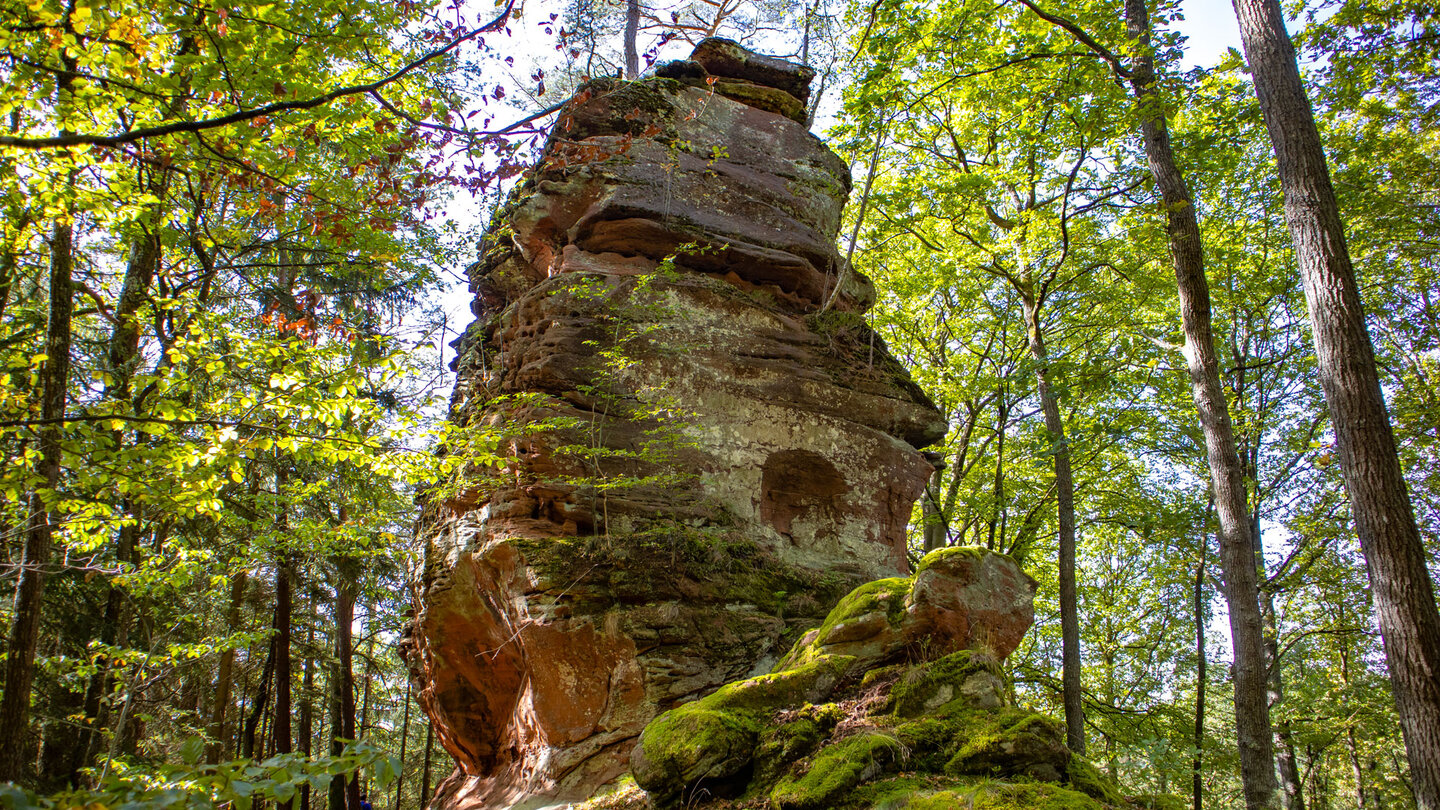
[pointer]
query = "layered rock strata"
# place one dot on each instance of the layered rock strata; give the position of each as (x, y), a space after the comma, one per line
(699, 457)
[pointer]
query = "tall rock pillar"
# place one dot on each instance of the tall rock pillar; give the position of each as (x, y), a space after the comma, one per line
(697, 461)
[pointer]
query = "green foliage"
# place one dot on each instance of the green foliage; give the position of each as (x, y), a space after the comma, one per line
(192, 784)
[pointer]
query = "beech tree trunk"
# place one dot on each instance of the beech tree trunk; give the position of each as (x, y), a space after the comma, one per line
(1065, 498)
(1394, 556)
(1237, 543)
(25, 625)
(307, 702)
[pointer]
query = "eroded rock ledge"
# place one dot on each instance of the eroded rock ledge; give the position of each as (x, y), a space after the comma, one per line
(700, 461)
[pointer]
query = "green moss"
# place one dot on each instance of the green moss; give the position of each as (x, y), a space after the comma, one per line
(892, 794)
(1011, 742)
(936, 684)
(887, 595)
(781, 745)
(804, 684)
(835, 322)
(951, 552)
(836, 771)
(1003, 796)
(1086, 778)
(934, 739)
(1160, 801)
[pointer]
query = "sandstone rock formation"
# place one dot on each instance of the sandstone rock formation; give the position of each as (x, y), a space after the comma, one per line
(699, 460)
(896, 700)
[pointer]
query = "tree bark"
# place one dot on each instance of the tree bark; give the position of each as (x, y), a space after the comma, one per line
(257, 709)
(283, 741)
(425, 770)
(1394, 555)
(404, 737)
(1065, 498)
(1197, 758)
(1237, 544)
(123, 354)
(25, 625)
(216, 750)
(632, 36)
(344, 793)
(307, 702)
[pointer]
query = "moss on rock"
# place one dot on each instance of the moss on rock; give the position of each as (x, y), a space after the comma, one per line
(835, 771)
(1006, 796)
(1083, 776)
(935, 685)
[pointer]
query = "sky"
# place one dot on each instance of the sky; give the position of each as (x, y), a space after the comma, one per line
(1211, 27)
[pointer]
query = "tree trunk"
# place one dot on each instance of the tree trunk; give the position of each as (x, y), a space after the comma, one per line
(25, 625)
(632, 36)
(257, 709)
(404, 737)
(1197, 758)
(1237, 545)
(344, 793)
(123, 354)
(216, 750)
(307, 702)
(1290, 785)
(425, 770)
(283, 742)
(1065, 497)
(1394, 556)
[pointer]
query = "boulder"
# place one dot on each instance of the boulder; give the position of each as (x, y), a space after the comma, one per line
(897, 711)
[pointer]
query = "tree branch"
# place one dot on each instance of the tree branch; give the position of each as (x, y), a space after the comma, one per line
(247, 115)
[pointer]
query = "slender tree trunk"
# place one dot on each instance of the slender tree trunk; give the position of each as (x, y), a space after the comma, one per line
(216, 750)
(1197, 756)
(404, 737)
(936, 535)
(1237, 545)
(632, 36)
(1065, 497)
(307, 702)
(1394, 555)
(997, 520)
(283, 741)
(344, 793)
(257, 709)
(25, 626)
(425, 770)
(123, 354)
(1290, 784)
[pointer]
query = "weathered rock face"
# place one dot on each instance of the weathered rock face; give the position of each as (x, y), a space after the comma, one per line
(702, 458)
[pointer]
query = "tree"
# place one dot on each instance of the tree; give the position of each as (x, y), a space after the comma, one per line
(1384, 518)
(1238, 538)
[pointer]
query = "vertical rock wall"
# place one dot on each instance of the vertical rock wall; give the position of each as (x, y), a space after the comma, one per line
(700, 461)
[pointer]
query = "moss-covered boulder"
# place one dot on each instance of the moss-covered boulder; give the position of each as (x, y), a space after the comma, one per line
(962, 598)
(899, 720)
